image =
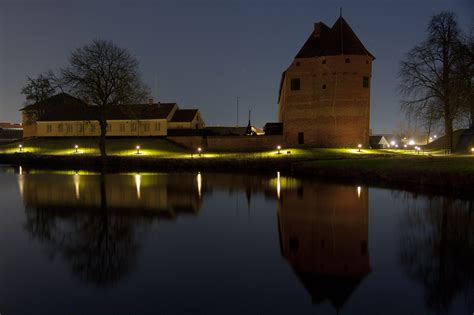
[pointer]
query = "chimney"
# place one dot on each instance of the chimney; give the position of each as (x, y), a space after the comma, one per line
(318, 27)
(150, 101)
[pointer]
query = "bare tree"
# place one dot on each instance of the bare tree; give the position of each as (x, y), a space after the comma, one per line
(427, 74)
(104, 75)
(38, 89)
(464, 71)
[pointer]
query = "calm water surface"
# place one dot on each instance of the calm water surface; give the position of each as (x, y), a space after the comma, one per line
(81, 243)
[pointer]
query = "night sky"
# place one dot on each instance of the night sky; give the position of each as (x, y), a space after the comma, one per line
(205, 53)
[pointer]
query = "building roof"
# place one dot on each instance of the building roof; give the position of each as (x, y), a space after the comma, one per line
(6, 125)
(113, 112)
(56, 102)
(273, 128)
(378, 140)
(184, 115)
(340, 39)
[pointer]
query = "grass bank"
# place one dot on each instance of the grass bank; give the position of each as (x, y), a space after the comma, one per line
(389, 167)
(455, 172)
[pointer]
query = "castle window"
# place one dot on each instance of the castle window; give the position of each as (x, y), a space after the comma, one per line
(295, 84)
(365, 82)
(92, 127)
(366, 62)
(146, 127)
(60, 128)
(324, 86)
(157, 126)
(68, 128)
(300, 137)
(49, 128)
(323, 62)
(122, 127)
(109, 127)
(348, 60)
(298, 64)
(134, 127)
(80, 127)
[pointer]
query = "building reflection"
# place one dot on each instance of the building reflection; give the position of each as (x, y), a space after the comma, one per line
(324, 236)
(91, 221)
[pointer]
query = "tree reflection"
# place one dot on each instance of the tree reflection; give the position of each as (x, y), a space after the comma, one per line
(99, 244)
(437, 249)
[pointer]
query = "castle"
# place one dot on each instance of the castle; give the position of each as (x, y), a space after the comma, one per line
(324, 97)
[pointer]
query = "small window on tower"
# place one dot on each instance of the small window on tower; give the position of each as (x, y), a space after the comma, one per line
(324, 86)
(298, 64)
(323, 62)
(365, 82)
(295, 84)
(348, 60)
(366, 62)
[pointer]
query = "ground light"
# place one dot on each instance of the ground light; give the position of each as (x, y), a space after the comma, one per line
(199, 151)
(20, 146)
(411, 142)
(359, 146)
(76, 147)
(472, 150)
(279, 148)
(138, 149)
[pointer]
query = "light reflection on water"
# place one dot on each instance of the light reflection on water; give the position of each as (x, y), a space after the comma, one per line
(178, 237)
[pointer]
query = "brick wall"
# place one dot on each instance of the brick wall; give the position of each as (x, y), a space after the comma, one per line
(332, 107)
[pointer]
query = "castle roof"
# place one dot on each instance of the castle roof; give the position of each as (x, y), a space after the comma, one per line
(340, 39)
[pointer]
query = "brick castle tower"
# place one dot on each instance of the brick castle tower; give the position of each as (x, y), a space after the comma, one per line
(324, 98)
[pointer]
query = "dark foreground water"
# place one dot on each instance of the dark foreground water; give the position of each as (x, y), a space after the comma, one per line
(228, 244)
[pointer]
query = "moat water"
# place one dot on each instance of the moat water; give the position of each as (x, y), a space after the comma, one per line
(203, 243)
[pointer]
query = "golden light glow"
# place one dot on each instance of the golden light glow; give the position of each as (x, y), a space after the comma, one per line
(278, 185)
(138, 182)
(199, 182)
(77, 181)
(21, 181)
(359, 190)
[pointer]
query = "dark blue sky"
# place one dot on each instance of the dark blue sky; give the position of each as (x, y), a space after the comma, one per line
(204, 53)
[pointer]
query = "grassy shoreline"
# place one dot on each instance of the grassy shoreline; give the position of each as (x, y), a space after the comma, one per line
(384, 167)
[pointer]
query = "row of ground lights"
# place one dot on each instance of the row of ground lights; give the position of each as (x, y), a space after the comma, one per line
(199, 150)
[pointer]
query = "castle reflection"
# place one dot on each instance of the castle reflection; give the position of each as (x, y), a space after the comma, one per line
(324, 236)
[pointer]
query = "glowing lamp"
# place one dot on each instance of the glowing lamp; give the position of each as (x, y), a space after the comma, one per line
(20, 146)
(279, 148)
(199, 151)
(138, 149)
(76, 147)
(392, 142)
(472, 150)
(359, 146)
(411, 142)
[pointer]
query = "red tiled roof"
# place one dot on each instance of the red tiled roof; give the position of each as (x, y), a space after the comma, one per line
(340, 39)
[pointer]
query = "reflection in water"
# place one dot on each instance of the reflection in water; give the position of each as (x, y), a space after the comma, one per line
(92, 223)
(138, 182)
(437, 249)
(323, 235)
(199, 183)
